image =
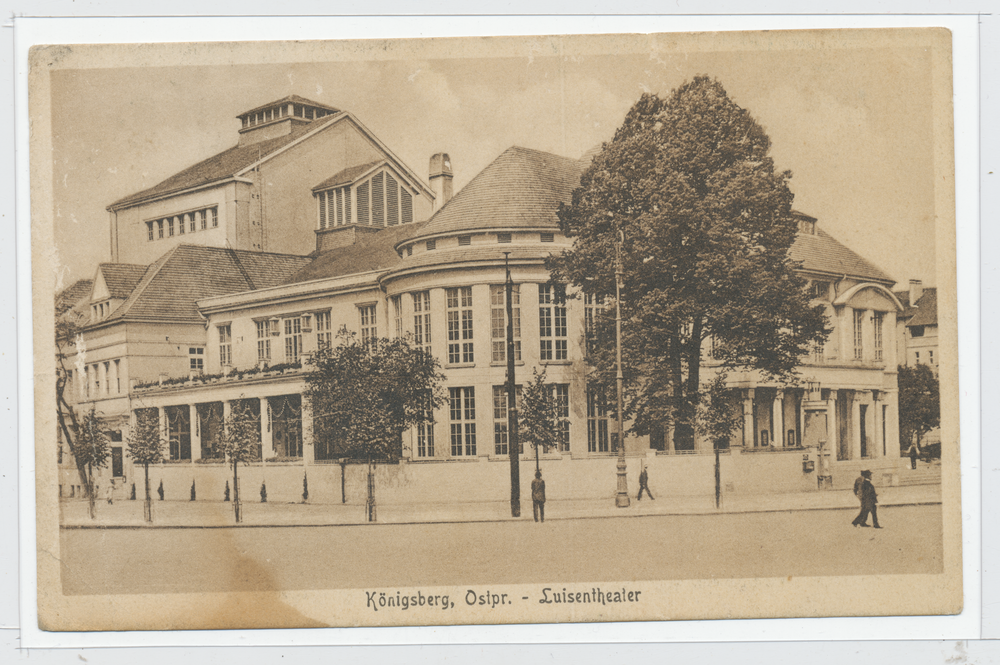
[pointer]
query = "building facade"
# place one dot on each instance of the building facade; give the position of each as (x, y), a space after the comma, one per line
(380, 270)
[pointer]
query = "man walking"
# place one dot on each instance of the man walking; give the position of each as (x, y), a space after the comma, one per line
(644, 484)
(869, 501)
(538, 496)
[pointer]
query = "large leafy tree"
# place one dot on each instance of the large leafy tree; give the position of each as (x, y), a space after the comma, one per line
(365, 394)
(705, 226)
(919, 403)
(145, 447)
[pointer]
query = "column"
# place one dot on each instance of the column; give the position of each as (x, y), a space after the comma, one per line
(266, 439)
(802, 417)
(308, 451)
(670, 438)
(855, 442)
(748, 423)
(778, 419)
(877, 441)
(832, 435)
(195, 433)
(164, 427)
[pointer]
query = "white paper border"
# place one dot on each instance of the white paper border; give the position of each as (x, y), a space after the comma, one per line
(31, 31)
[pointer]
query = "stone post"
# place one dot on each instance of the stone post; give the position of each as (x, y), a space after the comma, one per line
(778, 419)
(195, 433)
(748, 423)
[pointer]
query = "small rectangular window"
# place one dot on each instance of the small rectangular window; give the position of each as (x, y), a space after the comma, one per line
(196, 359)
(431, 244)
(149, 230)
(464, 241)
(214, 214)
(548, 237)
(170, 226)
(503, 237)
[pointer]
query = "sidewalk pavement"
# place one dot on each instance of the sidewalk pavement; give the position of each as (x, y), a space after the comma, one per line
(202, 514)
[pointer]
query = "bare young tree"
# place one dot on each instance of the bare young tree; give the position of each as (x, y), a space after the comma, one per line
(145, 447)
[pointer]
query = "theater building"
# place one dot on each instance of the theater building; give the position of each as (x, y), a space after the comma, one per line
(380, 267)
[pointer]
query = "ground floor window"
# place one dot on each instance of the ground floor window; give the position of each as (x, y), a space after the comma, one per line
(462, 409)
(425, 433)
(286, 425)
(210, 429)
(117, 462)
(597, 421)
(179, 431)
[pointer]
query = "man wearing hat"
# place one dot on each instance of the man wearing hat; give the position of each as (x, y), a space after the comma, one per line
(865, 491)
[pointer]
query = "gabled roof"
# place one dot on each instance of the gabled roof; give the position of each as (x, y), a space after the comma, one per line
(823, 253)
(72, 294)
(522, 188)
(290, 99)
(924, 312)
(224, 165)
(375, 252)
(170, 287)
(348, 175)
(121, 278)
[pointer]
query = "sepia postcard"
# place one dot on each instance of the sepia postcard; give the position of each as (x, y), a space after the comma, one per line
(495, 330)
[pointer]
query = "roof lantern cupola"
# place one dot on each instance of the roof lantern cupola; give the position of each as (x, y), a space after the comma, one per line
(279, 118)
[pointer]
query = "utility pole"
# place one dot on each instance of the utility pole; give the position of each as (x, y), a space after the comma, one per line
(621, 498)
(513, 445)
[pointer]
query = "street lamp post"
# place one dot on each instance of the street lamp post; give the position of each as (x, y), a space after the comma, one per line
(513, 441)
(621, 497)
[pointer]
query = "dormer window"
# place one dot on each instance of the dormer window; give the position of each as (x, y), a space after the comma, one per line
(464, 241)
(377, 195)
(503, 237)
(548, 237)
(807, 226)
(431, 245)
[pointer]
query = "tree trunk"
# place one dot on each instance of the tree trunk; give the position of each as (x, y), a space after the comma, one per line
(147, 506)
(370, 503)
(237, 509)
(90, 492)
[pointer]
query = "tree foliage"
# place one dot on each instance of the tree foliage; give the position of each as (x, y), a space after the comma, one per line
(707, 224)
(240, 438)
(91, 446)
(919, 403)
(719, 412)
(145, 442)
(364, 395)
(540, 423)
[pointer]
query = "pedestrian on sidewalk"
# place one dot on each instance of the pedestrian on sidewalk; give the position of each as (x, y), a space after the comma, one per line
(109, 493)
(644, 484)
(913, 455)
(538, 496)
(869, 501)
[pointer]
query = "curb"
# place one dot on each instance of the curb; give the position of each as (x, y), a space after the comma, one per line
(133, 527)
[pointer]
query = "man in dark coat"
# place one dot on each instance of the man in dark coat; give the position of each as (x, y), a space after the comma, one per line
(913, 456)
(869, 501)
(538, 496)
(643, 484)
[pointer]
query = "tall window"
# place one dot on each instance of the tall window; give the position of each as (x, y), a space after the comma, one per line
(369, 327)
(879, 316)
(397, 315)
(425, 432)
(196, 358)
(118, 376)
(552, 322)
(460, 344)
(86, 380)
(592, 306)
(263, 341)
(498, 321)
(149, 230)
(293, 339)
(818, 352)
(463, 421)
(560, 393)
(859, 347)
(597, 421)
(500, 431)
(170, 226)
(213, 214)
(107, 378)
(159, 229)
(225, 345)
(422, 320)
(324, 331)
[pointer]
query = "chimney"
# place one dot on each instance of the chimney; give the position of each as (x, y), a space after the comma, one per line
(440, 178)
(916, 291)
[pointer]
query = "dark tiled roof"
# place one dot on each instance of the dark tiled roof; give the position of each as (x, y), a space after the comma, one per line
(823, 253)
(925, 311)
(290, 99)
(187, 273)
(121, 278)
(221, 166)
(522, 188)
(376, 252)
(71, 295)
(347, 176)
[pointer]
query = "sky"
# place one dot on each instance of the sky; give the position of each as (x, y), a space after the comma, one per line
(852, 119)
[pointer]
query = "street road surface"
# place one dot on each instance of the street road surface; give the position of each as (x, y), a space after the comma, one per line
(672, 547)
